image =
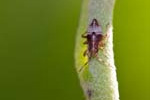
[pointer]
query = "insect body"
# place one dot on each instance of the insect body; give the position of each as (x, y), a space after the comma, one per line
(94, 39)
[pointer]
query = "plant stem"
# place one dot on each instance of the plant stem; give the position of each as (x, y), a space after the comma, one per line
(98, 79)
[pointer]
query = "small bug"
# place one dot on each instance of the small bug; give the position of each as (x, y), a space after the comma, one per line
(94, 40)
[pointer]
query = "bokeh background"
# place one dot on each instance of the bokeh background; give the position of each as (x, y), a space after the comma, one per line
(37, 46)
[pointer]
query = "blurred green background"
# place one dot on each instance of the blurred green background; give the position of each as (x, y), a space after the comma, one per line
(37, 46)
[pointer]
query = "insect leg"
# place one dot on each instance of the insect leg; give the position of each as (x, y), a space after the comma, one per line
(102, 46)
(82, 67)
(85, 53)
(86, 42)
(105, 37)
(84, 35)
(102, 61)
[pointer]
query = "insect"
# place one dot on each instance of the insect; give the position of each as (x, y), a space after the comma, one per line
(94, 40)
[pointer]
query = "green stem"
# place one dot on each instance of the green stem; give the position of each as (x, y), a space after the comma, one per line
(98, 79)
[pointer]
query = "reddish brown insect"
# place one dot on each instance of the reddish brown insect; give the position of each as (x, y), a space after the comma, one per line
(95, 37)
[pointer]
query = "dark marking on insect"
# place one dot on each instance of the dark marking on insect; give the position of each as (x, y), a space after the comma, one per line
(89, 93)
(94, 40)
